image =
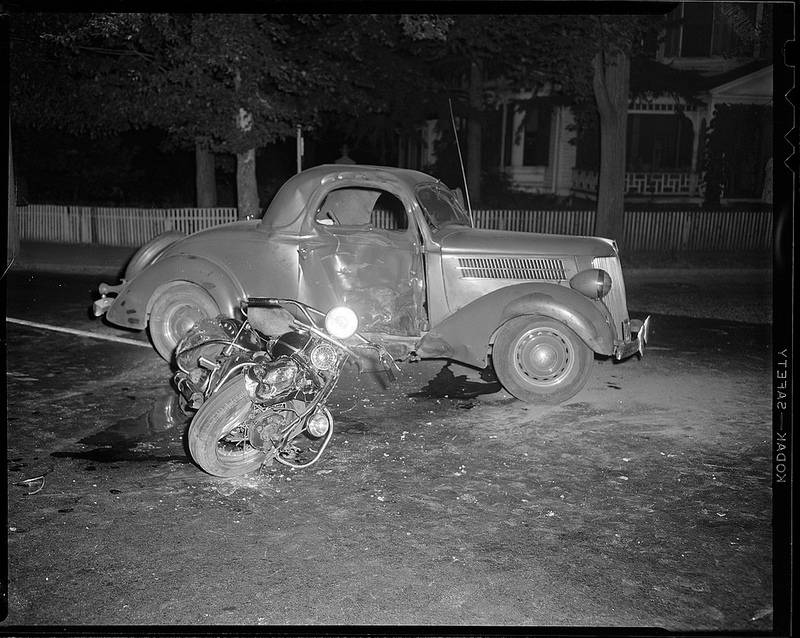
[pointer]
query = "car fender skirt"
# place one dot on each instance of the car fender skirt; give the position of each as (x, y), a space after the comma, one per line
(466, 334)
(132, 305)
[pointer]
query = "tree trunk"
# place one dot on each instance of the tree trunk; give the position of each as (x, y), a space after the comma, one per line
(205, 177)
(246, 185)
(474, 152)
(611, 81)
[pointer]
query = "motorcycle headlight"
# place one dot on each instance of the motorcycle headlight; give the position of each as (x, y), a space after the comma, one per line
(318, 423)
(341, 322)
(282, 374)
(594, 283)
(269, 380)
(323, 357)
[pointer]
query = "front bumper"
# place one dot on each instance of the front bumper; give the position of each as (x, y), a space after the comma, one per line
(637, 344)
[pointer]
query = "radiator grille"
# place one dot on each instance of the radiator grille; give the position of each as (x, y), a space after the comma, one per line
(499, 268)
(615, 300)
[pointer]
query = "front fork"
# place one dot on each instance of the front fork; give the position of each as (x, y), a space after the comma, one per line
(315, 420)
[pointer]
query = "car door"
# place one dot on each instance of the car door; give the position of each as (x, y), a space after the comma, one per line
(364, 252)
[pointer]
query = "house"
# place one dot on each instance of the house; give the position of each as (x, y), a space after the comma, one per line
(723, 53)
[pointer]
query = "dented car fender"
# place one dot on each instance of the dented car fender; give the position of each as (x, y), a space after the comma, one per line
(465, 335)
(133, 303)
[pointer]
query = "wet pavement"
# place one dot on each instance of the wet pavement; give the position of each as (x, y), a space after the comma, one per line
(643, 502)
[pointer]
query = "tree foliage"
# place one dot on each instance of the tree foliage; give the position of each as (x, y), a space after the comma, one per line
(225, 82)
(235, 82)
(191, 73)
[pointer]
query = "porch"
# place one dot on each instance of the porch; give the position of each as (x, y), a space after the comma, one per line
(652, 186)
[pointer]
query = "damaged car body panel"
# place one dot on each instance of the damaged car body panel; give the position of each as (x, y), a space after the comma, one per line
(362, 249)
(397, 246)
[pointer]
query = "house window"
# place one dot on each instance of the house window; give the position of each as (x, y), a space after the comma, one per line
(533, 135)
(537, 136)
(587, 152)
(659, 143)
(706, 29)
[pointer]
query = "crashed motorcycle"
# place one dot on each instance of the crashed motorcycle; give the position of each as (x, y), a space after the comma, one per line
(259, 399)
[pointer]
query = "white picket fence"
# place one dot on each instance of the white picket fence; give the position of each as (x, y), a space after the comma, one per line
(663, 231)
(113, 226)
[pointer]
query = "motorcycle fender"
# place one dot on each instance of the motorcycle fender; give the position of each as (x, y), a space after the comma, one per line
(466, 334)
(132, 305)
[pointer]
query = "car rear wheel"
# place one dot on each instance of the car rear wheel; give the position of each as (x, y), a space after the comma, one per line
(540, 360)
(176, 309)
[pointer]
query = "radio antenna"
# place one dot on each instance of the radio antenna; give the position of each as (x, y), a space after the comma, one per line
(461, 162)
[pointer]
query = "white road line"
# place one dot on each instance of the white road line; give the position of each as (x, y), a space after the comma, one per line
(80, 333)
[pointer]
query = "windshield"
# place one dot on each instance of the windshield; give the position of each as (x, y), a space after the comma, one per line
(441, 206)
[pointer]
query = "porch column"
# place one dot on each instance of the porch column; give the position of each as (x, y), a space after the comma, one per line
(565, 152)
(696, 118)
(551, 172)
(503, 125)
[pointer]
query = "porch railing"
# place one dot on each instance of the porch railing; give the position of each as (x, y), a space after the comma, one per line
(661, 183)
(664, 231)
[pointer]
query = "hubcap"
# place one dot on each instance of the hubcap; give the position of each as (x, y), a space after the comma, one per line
(182, 319)
(543, 356)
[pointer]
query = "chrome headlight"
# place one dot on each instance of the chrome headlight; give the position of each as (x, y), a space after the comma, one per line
(271, 379)
(594, 283)
(341, 322)
(318, 423)
(323, 357)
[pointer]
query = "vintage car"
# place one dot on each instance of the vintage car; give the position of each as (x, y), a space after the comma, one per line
(399, 248)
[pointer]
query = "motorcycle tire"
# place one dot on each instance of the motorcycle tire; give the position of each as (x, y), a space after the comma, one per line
(210, 430)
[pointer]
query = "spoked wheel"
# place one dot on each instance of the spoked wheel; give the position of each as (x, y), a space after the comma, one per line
(177, 308)
(540, 360)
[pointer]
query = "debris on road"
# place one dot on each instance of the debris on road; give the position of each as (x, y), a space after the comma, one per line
(30, 482)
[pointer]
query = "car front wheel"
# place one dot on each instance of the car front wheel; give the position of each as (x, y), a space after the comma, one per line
(177, 307)
(540, 360)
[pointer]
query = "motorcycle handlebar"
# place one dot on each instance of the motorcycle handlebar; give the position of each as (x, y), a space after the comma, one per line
(384, 357)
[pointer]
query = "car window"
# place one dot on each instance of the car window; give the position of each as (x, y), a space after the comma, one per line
(389, 213)
(441, 206)
(367, 207)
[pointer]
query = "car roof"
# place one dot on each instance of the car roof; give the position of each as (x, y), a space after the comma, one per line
(284, 212)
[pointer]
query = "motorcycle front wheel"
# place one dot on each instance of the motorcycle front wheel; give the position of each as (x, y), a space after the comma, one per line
(218, 440)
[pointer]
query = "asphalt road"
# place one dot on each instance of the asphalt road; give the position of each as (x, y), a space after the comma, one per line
(643, 502)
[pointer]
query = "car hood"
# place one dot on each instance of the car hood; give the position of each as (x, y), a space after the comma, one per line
(460, 240)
